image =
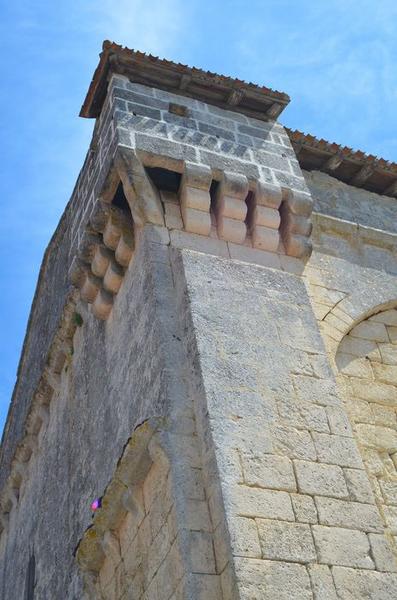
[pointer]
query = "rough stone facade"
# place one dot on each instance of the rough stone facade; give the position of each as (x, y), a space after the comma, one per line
(219, 365)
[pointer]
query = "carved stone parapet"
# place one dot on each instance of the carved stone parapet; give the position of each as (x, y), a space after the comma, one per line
(195, 198)
(231, 208)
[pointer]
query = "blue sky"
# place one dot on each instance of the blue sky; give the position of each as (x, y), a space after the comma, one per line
(336, 59)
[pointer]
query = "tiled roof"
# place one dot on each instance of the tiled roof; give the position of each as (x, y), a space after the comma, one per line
(351, 166)
(226, 92)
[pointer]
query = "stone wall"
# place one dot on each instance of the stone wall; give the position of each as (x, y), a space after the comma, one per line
(115, 377)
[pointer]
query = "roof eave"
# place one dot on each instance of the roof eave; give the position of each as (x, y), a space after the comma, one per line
(230, 94)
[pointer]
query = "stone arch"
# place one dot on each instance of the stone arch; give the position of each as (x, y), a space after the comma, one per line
(366, 361)
(358, 306)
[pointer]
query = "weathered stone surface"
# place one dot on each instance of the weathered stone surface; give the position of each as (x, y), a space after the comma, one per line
(354, 584)
(316, 478)
(382, 552)
(271, 472)
(292, 542)
(266, 580)
(322, 582)
(336, 546)
(340, 513)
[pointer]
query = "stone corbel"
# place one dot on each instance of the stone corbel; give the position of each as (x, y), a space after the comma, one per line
(142, 196)
(231, 208)
(194, 195)
(264, 216)
(104, 254)
(296, 225)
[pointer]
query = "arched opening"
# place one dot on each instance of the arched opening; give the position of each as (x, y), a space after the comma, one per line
(367, 371)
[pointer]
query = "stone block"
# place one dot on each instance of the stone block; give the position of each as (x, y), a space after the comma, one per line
(294, 443)
(359, 347)
(205, 587)
(254, 255)
(196, 515)
(317, 391)
(384, 415)
(267, 471)
(157, 234)
(222, 545)
(220, 163)
(387, 317)
(268, 194)
(171, 153)
(337, 450)
(375, 436)
(303, 415)
(255, 502)
(196, 221)
(304, 508)
(201, 552)
(353, 515)
(385, 373)
(354, 366)
(231, 230)
(265, 238)
(125, 248)
(268, 580)
(337, 546)
(295, 245)
(382, 552)
(355, 584)
(320, 479)
(292, 542)
(389, 491)
(191, 197)
(370, 330)
(192, 241)
(358, 486)
(388, 354)
(244, 538)
(113, 277)
(90, 287)
(101, 260)
(339, 421)
(390, 514)
(322, 582)
(173, 216)
(299, 202)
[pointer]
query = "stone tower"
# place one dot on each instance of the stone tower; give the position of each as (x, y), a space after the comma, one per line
(212, 355)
